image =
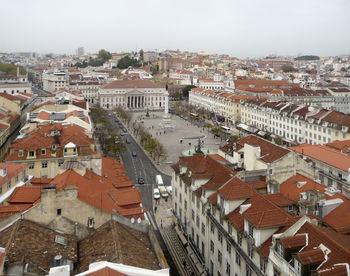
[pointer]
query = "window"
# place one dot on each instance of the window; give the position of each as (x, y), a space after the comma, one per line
(229, 226)
(31, 166)
(219, 256)
(219, 237)
(297, 266)
(16, 179)
(44, 165)
(203, 228)
(212, 229)
(250, 251)
(279, 248)
(185, 202)
(250, 230)
(211, 246)
(228, 248)
(276, 272)
(59, 211)
(270, 171)
(43, 151)
(197, 221)
(31, 153)
(262, 264)
(9, 185)
(248, 271)
(239, 239)
(203, 248)
(20, 153)
(228, 269)
(238, 259)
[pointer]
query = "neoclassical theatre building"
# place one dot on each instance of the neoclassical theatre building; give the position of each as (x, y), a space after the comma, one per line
(134, 94)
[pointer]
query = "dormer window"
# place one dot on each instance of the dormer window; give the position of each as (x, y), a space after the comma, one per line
(43, 151)
(31, 153)
(279, 249)
(20, 153)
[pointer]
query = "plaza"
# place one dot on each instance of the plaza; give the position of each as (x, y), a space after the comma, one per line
(171, 139)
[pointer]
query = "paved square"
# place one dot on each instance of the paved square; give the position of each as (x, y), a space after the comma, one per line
(171, 138)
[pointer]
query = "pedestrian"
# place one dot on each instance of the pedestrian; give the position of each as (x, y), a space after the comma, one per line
(155, 209)
(161, 223)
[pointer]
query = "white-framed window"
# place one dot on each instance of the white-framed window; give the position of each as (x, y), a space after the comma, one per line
(297, 266)
(31, 153)
(44, 164)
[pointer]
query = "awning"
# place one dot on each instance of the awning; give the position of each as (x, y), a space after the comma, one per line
(247, 128)
(261, 133)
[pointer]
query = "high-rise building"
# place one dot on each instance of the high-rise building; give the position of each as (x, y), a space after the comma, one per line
(80, 51)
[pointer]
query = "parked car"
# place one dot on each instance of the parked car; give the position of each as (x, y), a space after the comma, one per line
(124, 129)
(156, 193)
(163, 192)
(140, 180)
(127, 140)
(134, 154)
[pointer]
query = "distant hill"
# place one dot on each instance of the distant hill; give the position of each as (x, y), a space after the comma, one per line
(307, 58)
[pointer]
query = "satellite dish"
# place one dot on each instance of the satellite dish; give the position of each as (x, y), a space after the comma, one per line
(138, 220)
(132, 220)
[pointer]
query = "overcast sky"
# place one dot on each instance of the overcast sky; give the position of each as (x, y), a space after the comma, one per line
(242, 28)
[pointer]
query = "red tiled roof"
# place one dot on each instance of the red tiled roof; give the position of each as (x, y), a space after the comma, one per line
(25, 194)
(10, 97)
(313, 256)
(132, 84)
(324, 154)
(269, 151)
(294, 241)
(235, 189)
(280, 199)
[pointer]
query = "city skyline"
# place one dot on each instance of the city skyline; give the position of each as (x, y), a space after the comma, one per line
(248, 29)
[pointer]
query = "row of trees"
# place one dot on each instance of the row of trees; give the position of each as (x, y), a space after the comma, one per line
(110, 141)
(127, 61)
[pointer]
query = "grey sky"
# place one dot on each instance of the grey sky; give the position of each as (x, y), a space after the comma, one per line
(236, 27)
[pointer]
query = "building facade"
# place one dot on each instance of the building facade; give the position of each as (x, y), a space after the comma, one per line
(133, 94)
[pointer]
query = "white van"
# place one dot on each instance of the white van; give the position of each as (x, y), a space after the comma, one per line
(159, 181)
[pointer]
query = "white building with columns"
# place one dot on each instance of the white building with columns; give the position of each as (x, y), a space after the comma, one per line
(134, 94)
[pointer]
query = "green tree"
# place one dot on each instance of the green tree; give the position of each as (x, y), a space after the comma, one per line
(127, 61)
(104, 56)
(11, 69)
(187, 89)
(288, 69)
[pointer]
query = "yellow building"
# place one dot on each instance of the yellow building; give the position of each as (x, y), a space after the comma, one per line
(46, 148)
(12, 103)
(12, 176)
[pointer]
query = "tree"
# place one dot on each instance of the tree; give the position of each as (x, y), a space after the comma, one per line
(127, 61)
(104, 56)
(11, 69)
(187, 89)
(141, 55)
(288, 69)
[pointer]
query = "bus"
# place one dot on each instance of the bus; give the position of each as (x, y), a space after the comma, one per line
(225, 129)
(194, 116)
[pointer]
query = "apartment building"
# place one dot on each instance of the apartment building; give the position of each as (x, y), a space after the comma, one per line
(89, 89)
(296, 123)
(233, 227)
(49, 146)
(210, 84)
(133, 94)
(11, 177)
(331, 163)
(224, 104)
(55, 80)
(184, 77)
